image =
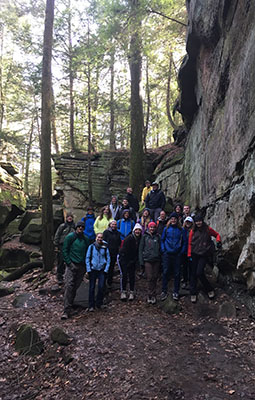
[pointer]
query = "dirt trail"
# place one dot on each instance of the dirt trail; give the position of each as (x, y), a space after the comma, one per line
(130, 351)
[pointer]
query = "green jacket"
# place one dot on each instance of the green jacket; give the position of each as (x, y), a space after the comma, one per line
(75, 248)
(149, 249)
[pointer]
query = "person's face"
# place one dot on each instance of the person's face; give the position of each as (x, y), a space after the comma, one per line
(186, 209)
(126, 215)
(199, 223)
(90, 211)
(152, 228)
(106, 210)
(145, 213)
(79, 229)
(173, 221)
(154, 187)
(99, 238)
(178, 209)
(137, 232)
(114, 200)
(125, 203)
(69, 218)
(114, 226)
(129, 190)
(147, 184)
(188, 224)
(162, 215)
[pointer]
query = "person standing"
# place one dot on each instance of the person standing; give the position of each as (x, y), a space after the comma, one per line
(155, 201)
(115, 208)
(126, 206)
(145, 220)
(74, 251)
(200, 248)
(127, 261)
(133, 201)
(97, 263)
(161, 222)
(63, 230)
(112, 237)
(149, 256)
(146, 190)
(89, 221)
(125, 225)
(172, 247)
(185, 260)
(102, 221)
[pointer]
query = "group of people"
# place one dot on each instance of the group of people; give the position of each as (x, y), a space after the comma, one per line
(126, 235)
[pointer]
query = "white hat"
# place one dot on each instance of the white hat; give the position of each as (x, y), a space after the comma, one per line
(137, 226)
(189, 219)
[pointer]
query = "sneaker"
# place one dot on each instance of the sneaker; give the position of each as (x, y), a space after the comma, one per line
(131, 296)
(64, 316)
(193, 298)
(211, 294)
(91, 309)
(153, 300)
(185, 285)
(163, 296)
(175, 296)
(123, 295)
(149, 300)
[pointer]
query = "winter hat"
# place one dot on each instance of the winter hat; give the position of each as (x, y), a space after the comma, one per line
(80, 223)
(137, 226)
(151, 224)
(90, 208)
(174, 215)
(189, 219)
(124, 211)
(154, 184)
(198, 218)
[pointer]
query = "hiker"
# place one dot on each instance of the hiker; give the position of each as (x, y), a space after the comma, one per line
(112, 236)
(200, 249)
(102, 221)
(126, 206)
(89, 221)
(125, 225)
(172, 248)
(145, 220)
(132, 201)
(185, 260)
(155, 201)
(149, 256)
(178, 210)
(127, 261)
(74, 251)
(186, 212)
(146, 190)
(161, 222)
(97, 263)
(63, 230)
(115, 208)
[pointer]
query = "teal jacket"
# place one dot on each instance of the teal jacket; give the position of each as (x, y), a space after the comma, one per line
(75, 248)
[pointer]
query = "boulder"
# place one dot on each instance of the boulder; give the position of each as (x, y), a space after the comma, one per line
(57, 335)
(32, 234)
(227, 310)
(170, 306)
(28, 341)
(25, 300)
(5, 291)
(13, 257)
(27, 217)
(251, 282)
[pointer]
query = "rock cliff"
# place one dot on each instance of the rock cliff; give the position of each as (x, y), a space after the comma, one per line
(217, 80)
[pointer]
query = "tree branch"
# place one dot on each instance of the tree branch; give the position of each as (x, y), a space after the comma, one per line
(166, 16)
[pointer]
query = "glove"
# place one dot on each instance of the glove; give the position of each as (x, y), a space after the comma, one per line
(219, 245)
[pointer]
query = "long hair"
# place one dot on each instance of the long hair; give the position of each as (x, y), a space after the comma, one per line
(203, 227)
(178, 224)
(109, 213)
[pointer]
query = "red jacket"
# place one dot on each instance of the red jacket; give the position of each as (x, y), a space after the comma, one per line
(212, 232)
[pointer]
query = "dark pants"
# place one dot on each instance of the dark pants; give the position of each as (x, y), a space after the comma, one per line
(127, 273)
(111, 268)
(198, 272)
(152, 273)
(154, 213)
(171, 262)
(95, 275)
(61, 264)
(186, 266)
(73, 280)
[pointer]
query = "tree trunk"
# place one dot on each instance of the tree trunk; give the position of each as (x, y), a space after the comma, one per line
(71, 79)
(47, 212)
(148, 106)
(53, 122)
(168, 96)
(112, 110)
(137, 125)
(1, 77)
(89, 126)
(28, 151)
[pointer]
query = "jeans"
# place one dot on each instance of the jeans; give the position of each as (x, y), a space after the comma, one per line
(198, 272)
(111, 268)
(171, 262)
(95, 275)
(152, 273)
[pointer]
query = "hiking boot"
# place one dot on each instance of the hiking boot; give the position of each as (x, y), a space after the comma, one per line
(131, 296)
(163, 296)
(91, 309)
(175, 296)
(64, 316)
(211, 294)
(123, 295)
(153, 300)
(193, 298)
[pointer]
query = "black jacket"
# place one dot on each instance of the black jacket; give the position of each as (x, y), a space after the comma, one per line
(149, 249)
(155, 199)
(113, 240)
(130, 250)
(133, 202)
(131, 212)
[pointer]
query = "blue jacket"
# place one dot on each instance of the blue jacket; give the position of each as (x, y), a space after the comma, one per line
(97, 258)
(89, 228)
(125, 227)
(172, 241)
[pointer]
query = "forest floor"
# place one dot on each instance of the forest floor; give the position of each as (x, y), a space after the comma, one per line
(130, 350)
